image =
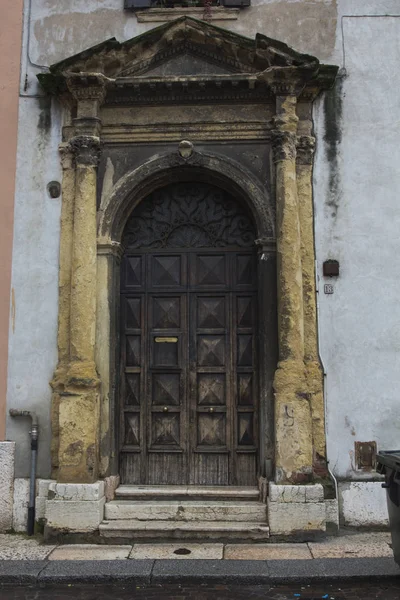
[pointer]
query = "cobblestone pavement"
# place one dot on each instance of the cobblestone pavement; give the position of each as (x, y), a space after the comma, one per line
(389, 590)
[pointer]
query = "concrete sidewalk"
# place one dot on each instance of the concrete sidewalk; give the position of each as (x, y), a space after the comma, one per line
(353, 555)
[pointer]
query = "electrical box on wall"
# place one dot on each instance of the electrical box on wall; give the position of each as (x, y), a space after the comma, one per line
(330, 268)
(365, 455)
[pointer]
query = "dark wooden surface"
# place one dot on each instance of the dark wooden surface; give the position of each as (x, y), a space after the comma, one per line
(189, 387)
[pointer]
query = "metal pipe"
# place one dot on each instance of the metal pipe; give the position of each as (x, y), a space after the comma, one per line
(34, 433)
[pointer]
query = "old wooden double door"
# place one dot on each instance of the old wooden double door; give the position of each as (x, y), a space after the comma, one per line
(188, 385)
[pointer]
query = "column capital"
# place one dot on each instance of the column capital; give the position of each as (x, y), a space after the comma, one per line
(87, 86)
(305, 149)
(66, 156)
(87, 150)
(283, 145)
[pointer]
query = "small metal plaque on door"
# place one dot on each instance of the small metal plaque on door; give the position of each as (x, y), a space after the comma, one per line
(166, 340)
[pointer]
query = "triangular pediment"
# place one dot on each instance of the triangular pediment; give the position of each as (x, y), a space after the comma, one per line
(184, 47)
(184, 60)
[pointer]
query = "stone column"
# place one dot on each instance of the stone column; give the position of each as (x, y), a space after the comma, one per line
(293, 444)
(80, 402)
(314, 374)
(64, 294)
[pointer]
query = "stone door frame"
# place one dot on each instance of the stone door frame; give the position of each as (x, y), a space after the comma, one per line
(83, 391)
(127, 194)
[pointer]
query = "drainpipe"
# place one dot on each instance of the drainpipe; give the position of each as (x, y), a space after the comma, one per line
(34, 433)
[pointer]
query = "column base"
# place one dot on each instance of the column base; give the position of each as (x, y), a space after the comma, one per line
(78, 456)
(74, 507)
(293, 425)
(296, 511)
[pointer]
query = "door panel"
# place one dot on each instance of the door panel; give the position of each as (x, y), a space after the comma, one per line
(188, 385)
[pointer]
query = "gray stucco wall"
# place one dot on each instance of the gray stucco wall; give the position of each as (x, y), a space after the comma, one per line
(356, 179)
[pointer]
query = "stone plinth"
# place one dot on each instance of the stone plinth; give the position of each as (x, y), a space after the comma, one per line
(76, 507)
(296, 509)
(7, 457)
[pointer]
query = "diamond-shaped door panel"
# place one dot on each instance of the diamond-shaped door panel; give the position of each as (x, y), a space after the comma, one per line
(244, 269)
(166, 313)
(245, 311)
(133, 351)
(211, 429)
(211, 350)
(132, 313)
(245, 389)
(165, 429)
(132, 389)
(245, 429)
(210, 270)
(133, 271)
(211, 389)
(166, 270)
(245, 350)
(132, 429)
(210, 312)
(166, 390)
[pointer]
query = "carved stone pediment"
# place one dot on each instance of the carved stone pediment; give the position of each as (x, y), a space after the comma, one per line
(188, 52)
(144, 53)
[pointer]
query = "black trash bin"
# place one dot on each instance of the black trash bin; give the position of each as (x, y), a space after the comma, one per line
(388, 464)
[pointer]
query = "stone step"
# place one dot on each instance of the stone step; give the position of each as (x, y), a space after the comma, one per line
(162, 531)
(186, 492)
(186, 510)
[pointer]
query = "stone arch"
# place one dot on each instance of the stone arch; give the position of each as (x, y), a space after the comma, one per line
(161, 170)
(113, 214)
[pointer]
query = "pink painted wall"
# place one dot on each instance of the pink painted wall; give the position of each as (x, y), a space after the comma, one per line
(10, 53)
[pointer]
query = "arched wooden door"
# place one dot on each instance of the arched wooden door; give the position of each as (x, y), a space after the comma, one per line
(188, 362)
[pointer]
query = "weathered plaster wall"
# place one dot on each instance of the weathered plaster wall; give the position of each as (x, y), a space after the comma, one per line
(10, 50)
(32, 341)
(356, 179)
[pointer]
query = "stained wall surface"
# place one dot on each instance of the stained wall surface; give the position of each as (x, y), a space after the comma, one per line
(10, 51)
(356, 178)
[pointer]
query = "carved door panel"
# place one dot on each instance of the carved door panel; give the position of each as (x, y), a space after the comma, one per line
(188, 383)
(222, 365)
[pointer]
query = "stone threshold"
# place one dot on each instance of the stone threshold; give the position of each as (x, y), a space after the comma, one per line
(195, 572)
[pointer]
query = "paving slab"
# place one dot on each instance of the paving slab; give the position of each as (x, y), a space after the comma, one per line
(360, 545)
(177, 551)
(20, 571)
(204, 571)
(17, 547)
(267, 552)
(87, 571)
(90, 552)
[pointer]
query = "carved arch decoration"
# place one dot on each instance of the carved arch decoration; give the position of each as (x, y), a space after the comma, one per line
(221, 171)
(184, 216)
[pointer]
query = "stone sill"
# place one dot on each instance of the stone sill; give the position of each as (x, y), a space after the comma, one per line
(160, 15)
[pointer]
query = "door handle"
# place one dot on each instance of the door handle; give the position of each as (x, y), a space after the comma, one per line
(165, 409)
(211, 409)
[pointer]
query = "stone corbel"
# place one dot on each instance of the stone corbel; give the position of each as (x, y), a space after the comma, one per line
(89, 91)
